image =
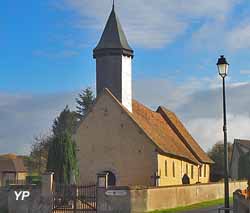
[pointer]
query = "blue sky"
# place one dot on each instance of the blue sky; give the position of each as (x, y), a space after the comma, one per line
(46, 51)
(47, 46)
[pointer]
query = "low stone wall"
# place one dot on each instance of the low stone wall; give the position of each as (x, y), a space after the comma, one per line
(148, 199)
(35, 203)
(4, 200)
(171, 197)
(38, 201)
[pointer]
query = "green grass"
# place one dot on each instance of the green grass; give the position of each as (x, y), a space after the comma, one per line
(194, 206)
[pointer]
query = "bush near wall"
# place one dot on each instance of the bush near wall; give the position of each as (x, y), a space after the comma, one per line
(33, 179)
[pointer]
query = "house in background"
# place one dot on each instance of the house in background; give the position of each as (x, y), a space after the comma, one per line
(240, 158)
(121, 137)
(12, 169)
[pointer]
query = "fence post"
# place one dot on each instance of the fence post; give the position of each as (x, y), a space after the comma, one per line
(75, 197)
(47, 184)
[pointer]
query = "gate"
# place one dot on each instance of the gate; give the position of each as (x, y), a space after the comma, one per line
(74, 198)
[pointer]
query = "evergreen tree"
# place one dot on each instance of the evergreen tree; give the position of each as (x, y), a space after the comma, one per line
(217, 155)
(62, 158)
(62, 149)
(66, 121)
(84, 101)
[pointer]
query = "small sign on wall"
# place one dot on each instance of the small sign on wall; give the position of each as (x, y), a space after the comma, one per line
(116, 193)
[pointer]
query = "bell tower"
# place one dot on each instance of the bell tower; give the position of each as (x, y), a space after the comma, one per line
(114, 62)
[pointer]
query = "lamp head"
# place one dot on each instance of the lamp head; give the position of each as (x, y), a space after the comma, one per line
(222, 66)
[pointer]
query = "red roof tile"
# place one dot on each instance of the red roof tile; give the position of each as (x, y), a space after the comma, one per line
(160, 132)
(11, 163)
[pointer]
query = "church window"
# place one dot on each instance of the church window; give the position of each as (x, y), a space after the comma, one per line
(166, 168)
(192, 171)
(205, 170)
(173, 169)
(200, 171)
(187, 169)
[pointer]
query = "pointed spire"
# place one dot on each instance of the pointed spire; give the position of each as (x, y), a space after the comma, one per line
(113, 40)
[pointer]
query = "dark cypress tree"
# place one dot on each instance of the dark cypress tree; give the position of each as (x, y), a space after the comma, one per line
(66, 121)
(62, 158)
(62, 149)
(84, 101)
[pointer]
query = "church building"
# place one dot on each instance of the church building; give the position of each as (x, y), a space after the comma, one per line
(125, 139)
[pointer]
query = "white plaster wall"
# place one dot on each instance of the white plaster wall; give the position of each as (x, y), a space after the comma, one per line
(127, 82)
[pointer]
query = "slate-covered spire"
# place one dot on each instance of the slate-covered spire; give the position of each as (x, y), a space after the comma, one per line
(113, 40)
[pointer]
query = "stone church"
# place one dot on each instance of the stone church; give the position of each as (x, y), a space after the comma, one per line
(125, 139)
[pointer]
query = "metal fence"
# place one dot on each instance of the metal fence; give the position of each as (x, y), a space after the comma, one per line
(74, 198)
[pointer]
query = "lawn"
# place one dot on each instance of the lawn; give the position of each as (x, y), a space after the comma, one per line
(194, 206)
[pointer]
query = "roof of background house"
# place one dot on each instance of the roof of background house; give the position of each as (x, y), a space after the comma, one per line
(11, 163)
(243, 146)
(166, 131)
(244, 143)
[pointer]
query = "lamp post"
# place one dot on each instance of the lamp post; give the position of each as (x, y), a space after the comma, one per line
(223, 70)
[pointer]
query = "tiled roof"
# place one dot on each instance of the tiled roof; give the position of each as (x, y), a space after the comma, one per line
(242, 146)
(11, 163)
(243, 143)
(166, 131)
(160, 132)
(184, 135)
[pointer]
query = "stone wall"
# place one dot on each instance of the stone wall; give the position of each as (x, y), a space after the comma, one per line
(171, 197)
(3, 200)
(149, 199)
(39, 201)
(35, 203)
(119, 146)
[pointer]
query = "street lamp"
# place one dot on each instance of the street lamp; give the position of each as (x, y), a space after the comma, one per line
(223, 70)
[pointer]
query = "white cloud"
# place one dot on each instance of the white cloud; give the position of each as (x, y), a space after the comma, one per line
(56, 54)
(239, 37)
(150, 24)
(245, 72)
(208, 131)
(198, 103)
(25, 116)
